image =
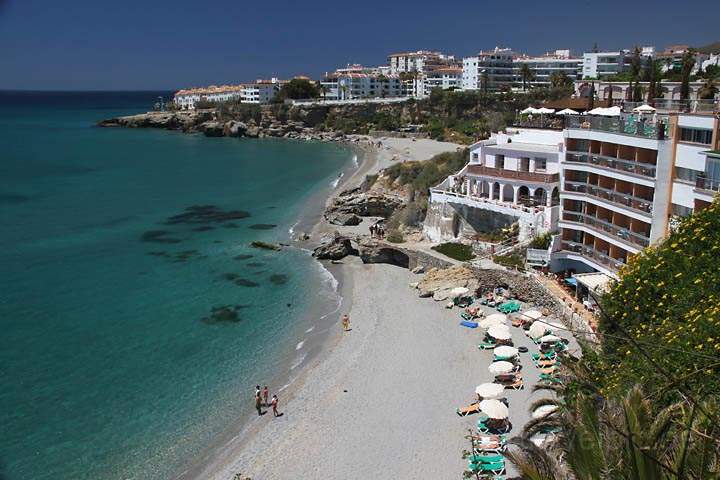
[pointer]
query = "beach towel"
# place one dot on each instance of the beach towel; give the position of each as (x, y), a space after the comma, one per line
(465, 323)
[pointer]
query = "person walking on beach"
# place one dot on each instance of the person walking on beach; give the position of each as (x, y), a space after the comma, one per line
(372, 231)
(274, 403)
(265, 394)
(346, 322)
(258, 404)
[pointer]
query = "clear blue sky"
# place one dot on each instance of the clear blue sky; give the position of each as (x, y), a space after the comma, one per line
(163, 44)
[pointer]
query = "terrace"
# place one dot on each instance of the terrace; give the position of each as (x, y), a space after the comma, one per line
(625, 124)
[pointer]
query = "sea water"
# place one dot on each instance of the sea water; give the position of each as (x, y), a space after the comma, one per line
(112, 364)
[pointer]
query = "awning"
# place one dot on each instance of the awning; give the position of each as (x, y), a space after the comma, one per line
(571, 281)
(595, 282)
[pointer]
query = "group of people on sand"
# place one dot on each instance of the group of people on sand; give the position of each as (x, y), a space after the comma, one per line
(377, 231)
(261, 400)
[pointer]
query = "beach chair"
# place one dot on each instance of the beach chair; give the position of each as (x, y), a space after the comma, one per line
(482, 427)
(484, 458)
(469, 410)
(548, 370)
(546, 363)
(486, 345)
(518, 384)
(545, 377)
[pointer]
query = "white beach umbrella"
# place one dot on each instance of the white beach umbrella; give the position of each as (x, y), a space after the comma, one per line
(505, 351)
(488, 322)
(537, 330)
(458, 292)
(544, 410)
(550, 339)
(567, 111)
(529, 110)
(543, 110)
(612, 112)
(489, 390)
(532, 314)
(644, 109)
(501, 367)
(499, 332)
(494, 409)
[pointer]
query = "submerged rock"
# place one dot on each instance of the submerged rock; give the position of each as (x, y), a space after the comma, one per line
(278, 279)
(265, 245)
(230, 276)
(246, 283)
(158, 236)
(223, 314)
(262, 226)
(255, 264)
(206, 214)
(203, 228)
(242, 256)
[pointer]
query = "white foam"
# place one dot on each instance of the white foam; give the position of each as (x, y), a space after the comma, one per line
(355, 161)
(336, 182)
(291, 230)
(300, 345)
(298, 362)
(310, 329)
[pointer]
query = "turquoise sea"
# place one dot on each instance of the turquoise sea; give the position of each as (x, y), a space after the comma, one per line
(115, 246)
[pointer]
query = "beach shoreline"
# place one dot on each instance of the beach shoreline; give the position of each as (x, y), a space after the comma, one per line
(370, 158)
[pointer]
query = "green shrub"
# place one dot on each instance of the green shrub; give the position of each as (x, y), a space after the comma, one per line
(541, 241)
(458, 251)
(512, 260)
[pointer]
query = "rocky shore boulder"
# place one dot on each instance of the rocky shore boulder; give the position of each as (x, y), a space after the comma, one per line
(346, 219)
(373, 251)
(336, 247)
(234, 129)
(364, 204)
(213, 129)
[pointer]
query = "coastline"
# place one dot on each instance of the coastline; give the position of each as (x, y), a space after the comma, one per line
(351, 277)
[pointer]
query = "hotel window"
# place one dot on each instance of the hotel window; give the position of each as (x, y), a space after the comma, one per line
(696, 135)
(680, 210)
(540, 164)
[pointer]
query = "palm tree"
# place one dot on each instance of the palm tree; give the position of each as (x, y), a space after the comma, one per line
(526, 74)
(484, 78)
(708, 90)
(591, 97)
(653, 73)
(625, 438)
(559, 80)
(688, 62)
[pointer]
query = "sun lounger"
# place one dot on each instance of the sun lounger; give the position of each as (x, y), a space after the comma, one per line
(486, 346)
(469, 410)
(516, 385)
(486, 458)
(546, 363)
(548, 370)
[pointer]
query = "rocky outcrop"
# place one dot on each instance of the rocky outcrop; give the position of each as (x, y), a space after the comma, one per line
(336, 247)
(438, 283)
(185, 121)
(345, 219)
(213, 129)
(364, 204)
(373, 251)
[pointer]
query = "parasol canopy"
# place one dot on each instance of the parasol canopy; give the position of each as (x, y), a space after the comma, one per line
(494, 409)
(500, 368)
(489, 390)
(499, 332)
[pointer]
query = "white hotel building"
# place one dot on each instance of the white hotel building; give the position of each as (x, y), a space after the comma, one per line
(490, 70)
(543, 67)
(262, 91)
(622, 184)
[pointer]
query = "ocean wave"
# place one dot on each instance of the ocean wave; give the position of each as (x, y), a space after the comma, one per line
(336, 182)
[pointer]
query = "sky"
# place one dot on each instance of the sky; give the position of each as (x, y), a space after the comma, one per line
(171, 44)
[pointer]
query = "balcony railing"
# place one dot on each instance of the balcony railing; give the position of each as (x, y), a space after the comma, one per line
(607, 227)
(665, 105)
(626, 200)
(618, 164)
(586, 251)
(513, 174)
(623, 124)
(527, 207)
(711, 184)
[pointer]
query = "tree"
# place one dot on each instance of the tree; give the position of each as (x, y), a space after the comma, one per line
(591, 97)
(708, 90)
(526, 74)
(484, 78)
(653, 74)
(559, 80)
(688, 62)
(297, 89)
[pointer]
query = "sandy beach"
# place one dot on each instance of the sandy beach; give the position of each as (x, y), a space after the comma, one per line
(378, 401)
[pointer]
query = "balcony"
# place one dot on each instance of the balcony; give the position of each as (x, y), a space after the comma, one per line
(617, 164)
(709, 184)
(632, 238)
(625, 200)
(613, 264)
(533, 177)
(685, 106)
(623, 125)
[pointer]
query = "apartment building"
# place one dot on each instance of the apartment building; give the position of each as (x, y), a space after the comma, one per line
(511, 177)
(353, 86)
(625, 182)
(262, 91)
(446, 78)
(600, 65)
(187, 98)
(419, 61)
(559, 61)
(489, 71)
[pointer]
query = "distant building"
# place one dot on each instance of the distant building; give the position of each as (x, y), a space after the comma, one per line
(445, 78)
(559, 61)
(419, 61)
(262, 91)
(491, 70)
(357, 82)
(600, 65)
(622, 91)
